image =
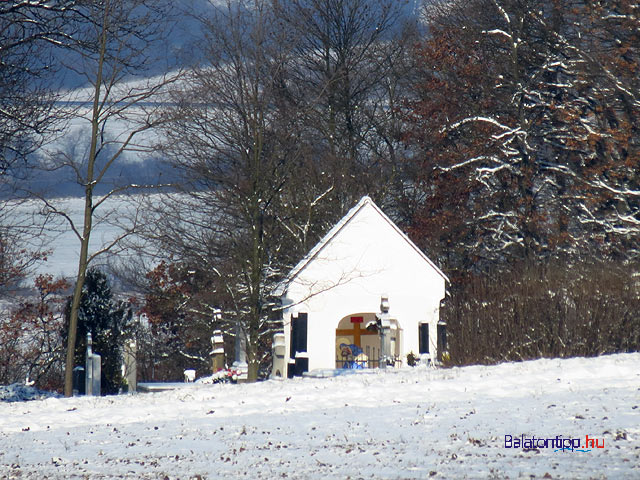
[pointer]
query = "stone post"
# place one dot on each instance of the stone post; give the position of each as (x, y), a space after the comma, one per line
(217, 352)
(277, 355)
(384, 321)
(130, 366)
(92, 370)
(240, 364)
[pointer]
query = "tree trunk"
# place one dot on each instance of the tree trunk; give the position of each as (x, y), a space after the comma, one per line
(88, 214)
(75, 304)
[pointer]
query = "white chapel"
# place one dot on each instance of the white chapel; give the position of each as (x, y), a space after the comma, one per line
(364, 297)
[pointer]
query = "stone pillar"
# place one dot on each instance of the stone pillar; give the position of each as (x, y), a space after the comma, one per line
(277, 355)
(130, 365)
(240, 364)
(384, 321)
(217, 351)
(189, 375)
(88, 370)
(92, 370)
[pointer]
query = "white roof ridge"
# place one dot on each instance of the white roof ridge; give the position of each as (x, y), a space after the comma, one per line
(282, 288)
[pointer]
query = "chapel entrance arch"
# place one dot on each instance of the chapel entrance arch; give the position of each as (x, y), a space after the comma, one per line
(358, 341)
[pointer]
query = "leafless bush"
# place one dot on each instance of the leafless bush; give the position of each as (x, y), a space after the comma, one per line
(548, 309)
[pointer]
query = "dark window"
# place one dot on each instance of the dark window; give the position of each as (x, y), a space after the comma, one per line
(424, 338)
(298, 334)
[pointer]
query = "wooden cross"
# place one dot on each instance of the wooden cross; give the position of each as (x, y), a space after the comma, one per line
(356, 331)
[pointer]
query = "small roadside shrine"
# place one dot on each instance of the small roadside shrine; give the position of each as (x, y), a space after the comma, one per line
(364, 297)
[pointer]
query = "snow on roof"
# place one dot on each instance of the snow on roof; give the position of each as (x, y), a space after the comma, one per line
(364, 201)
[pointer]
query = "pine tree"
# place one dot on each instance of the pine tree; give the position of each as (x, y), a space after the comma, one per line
(109, 323)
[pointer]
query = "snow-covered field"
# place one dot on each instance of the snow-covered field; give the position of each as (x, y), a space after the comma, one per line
(411, 423)
(59, 239)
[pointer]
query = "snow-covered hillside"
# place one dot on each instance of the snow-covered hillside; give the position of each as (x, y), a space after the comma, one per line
(411, 423)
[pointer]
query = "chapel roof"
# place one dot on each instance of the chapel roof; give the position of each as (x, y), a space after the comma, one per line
(351, 214)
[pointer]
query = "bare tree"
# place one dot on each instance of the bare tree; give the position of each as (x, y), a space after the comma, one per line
(274, 136)
(20, 250)
(345, 80)
(30, 33)
(235, 136)
(113, 51)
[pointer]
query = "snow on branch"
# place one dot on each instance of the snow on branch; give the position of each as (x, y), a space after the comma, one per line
(486, 171)
(192, 357)
(502, 12)
(619, 16)
(626, 192)
(469, 162)
(489, 120)
(497, 31)
(512, 131)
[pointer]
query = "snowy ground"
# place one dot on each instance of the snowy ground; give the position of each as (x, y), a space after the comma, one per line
(412, 423)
